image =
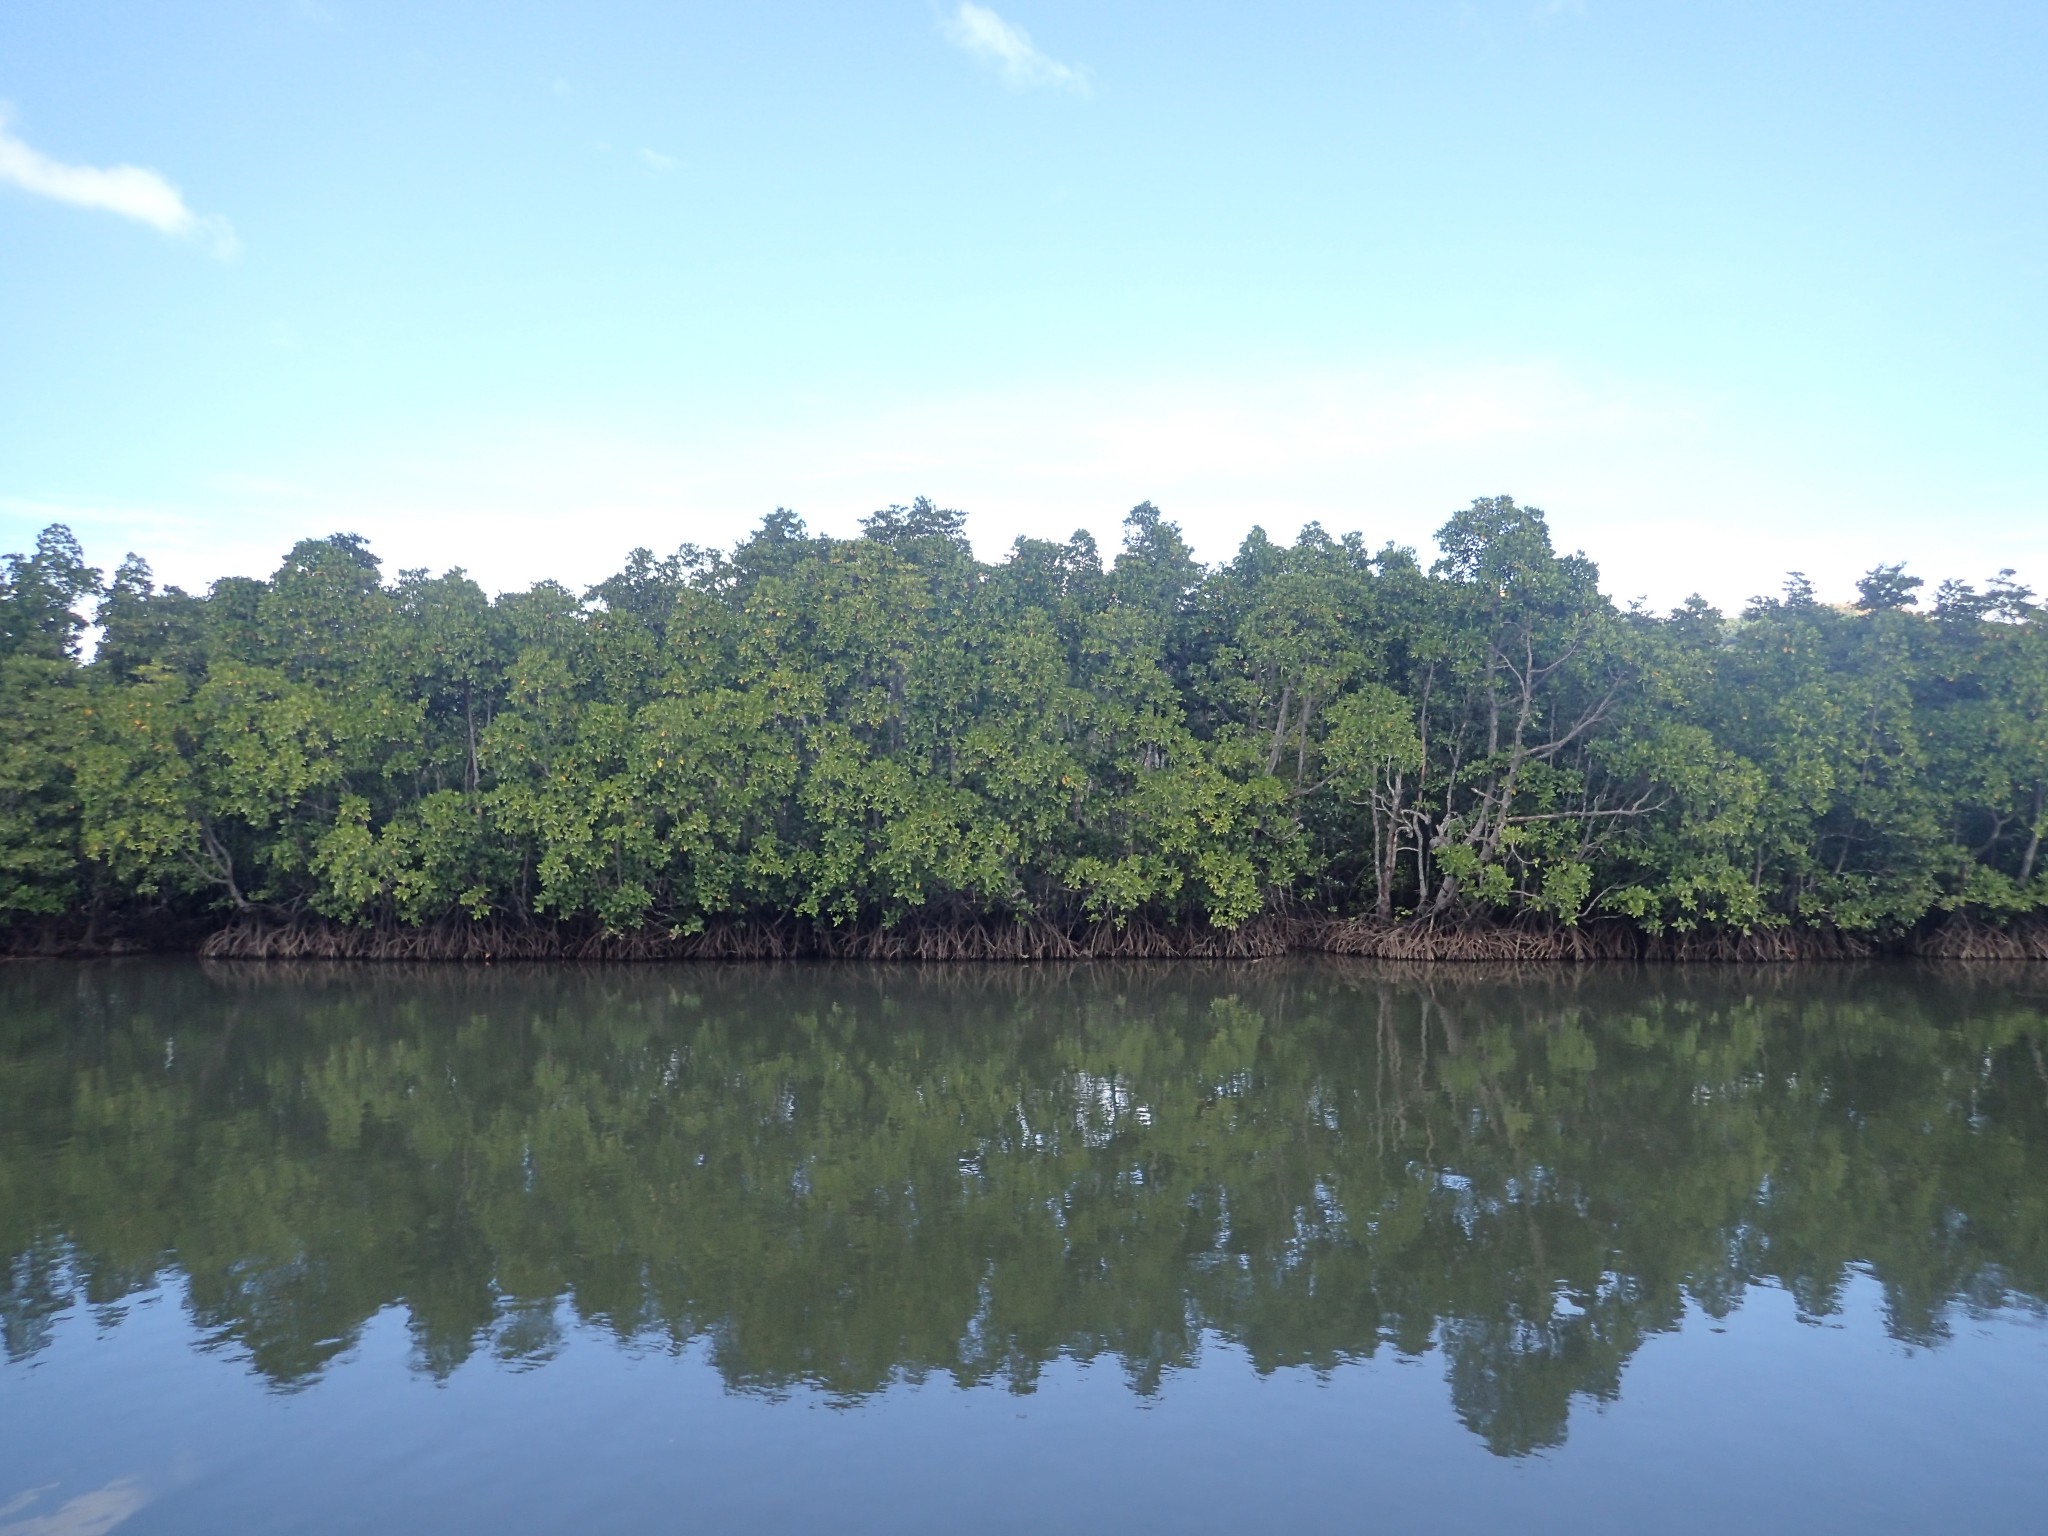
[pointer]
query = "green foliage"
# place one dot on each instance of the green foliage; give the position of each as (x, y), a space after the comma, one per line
(884, 730)
(43, 713)
(40, 594)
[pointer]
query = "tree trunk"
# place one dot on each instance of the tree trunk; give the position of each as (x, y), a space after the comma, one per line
(1280, 728)
(2033, 842)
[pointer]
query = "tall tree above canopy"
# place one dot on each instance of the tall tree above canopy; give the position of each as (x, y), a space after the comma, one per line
(40, 595)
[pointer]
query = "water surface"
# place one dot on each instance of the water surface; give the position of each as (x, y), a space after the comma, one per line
(1204, 1248)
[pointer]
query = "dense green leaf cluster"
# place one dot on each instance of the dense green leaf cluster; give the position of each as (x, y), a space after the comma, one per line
(883, 730)
(844, 1177)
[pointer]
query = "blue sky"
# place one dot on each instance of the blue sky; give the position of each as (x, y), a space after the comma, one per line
(1727, 289)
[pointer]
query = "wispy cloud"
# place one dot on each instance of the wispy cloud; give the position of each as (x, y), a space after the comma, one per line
(1390, 450)
(129, 190)
(977, 30)
(655, 160)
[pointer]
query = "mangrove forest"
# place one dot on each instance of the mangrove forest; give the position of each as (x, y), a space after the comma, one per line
(885, 746)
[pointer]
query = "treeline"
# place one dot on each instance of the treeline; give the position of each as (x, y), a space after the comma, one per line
(815, 743)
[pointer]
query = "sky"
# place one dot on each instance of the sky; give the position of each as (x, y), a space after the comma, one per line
(1727, 289)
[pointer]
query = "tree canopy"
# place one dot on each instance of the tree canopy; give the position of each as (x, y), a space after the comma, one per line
(886, 732)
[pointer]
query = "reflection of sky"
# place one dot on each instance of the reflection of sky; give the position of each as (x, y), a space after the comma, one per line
(1727, 288)
(85, 1514)
(1754, 1422)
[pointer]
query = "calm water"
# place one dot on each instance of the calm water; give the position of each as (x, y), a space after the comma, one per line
(1237, 1248)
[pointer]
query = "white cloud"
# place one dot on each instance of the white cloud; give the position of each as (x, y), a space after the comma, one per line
(1670, 494)
(128, 190)
(977, 30)
(655, 160)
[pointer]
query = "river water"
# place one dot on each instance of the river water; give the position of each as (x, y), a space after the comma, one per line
(1295, 1245)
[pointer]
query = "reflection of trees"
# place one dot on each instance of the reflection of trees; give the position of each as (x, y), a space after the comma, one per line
(845, 1178)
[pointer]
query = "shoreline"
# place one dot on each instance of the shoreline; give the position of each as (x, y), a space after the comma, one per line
(999, 942)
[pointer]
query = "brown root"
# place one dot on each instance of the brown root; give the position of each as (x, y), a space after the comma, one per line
(744, 940)
(938, 942)
(1584, 942)
(1967, 938)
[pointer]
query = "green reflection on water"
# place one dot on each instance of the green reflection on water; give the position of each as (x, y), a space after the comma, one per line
(847, 1178)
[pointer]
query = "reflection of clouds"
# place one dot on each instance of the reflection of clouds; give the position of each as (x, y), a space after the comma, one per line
(90, 1514)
